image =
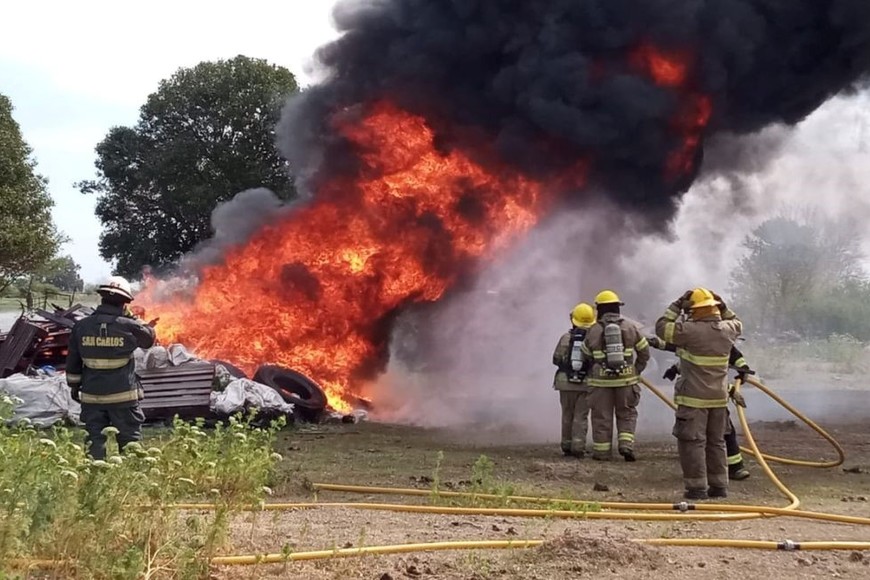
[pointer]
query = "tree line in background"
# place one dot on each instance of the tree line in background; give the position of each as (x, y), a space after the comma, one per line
(803, 276)
(29, 240)
(206, 134)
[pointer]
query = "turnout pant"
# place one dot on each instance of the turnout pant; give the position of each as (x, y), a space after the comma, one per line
(127, 420)
(700, 437)
(606, 402)
(575, 418)
(732, 448)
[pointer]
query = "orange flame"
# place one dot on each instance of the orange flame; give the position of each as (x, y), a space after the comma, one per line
(671, 70)
(667, 69)
(313, 291)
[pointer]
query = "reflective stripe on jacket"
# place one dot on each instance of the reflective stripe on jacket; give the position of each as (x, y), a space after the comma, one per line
(635, 353)
(703, 347)
(100, 359)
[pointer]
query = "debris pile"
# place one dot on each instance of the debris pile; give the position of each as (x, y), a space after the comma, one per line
(39, 341)
(174, 381)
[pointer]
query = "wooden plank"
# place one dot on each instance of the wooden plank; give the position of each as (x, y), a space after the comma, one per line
(59, 320)
(189, 368)
(186, 388)
(20, 346)
(176, 378)
(176, 403)
(66, 313)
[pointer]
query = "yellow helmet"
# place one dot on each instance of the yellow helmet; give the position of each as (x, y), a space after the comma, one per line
(702, 297)
(607, 297)
(583, 316)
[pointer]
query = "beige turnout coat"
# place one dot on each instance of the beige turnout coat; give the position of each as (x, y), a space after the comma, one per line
(636, 353)
(703, 347)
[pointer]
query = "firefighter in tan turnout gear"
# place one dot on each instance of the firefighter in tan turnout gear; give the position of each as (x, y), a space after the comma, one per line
(736, 467)
(570, 383)
(100, 368)
(704, 342)
(617, 353)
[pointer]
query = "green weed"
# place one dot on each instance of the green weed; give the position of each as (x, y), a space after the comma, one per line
(117, 518)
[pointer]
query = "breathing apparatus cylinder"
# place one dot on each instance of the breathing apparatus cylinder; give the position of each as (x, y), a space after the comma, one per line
(614, 350)
(577, 336)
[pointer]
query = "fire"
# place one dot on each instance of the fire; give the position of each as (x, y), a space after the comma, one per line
(671, 70)
(315, 292)
(668, 69)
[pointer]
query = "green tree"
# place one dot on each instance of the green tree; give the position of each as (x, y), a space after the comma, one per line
(205, 135)
(62, 272)
(796, 271)
(28, 237)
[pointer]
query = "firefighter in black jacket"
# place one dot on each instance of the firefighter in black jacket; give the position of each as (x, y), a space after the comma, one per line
(100, 370)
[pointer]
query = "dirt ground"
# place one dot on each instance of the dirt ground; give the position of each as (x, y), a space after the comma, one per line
(378, 454)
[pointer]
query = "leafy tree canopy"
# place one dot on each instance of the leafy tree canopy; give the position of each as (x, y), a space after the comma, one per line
(62, 272)
(802, 273)
(28, 237)
(204, 136)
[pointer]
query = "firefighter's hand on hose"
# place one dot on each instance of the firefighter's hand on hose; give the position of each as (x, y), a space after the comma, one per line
(736, 396)
(75, 393)
(743, 371)
(671, 373)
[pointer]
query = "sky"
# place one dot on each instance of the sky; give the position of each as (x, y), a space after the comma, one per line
(74, 70)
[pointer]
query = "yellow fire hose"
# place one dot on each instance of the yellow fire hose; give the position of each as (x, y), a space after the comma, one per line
(841, 455)
(731, 511)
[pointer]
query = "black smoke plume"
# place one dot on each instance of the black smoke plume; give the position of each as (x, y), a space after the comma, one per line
(553, 81)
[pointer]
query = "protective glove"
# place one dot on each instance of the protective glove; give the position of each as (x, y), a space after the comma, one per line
(153, 323)
(722, 306)
(671, 373)
(685, 301)
(735, 396)
(75, 393)
(743, 371)
(656, 342)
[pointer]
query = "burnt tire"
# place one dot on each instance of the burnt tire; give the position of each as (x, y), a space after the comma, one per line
(235, 371)
(307, 397)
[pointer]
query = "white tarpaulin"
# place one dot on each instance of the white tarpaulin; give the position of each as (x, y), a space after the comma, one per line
(158, 357)
(46, 400)
(243, 393)
(43, 400)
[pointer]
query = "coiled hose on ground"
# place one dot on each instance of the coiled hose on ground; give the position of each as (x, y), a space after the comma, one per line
(610, 510)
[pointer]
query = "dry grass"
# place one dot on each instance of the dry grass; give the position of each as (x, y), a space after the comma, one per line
(372, 454)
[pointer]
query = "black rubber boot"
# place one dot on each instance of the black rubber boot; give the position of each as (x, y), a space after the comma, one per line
(717, 492)
(738, 473)
(628, 454)
(695, 494)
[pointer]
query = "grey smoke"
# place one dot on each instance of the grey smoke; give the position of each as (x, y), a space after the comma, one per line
(233, 222)
(493, 350)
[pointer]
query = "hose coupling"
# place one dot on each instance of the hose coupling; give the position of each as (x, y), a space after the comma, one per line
(788, 546)
(684, 506)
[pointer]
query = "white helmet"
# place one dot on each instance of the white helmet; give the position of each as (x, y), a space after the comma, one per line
(116, 285)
